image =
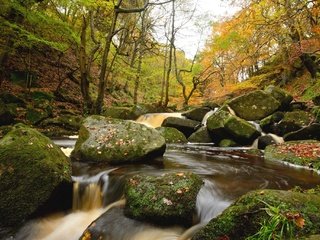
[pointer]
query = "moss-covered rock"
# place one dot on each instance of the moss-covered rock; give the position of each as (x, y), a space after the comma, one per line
(119, 113)
(245, 217)
(311, 132)
(200, 136)
(165, 200)
(172, 135)
(223, 125)
(267, 124)
(197, 114)
(186, 126)
(282, 96)
(304, 153)
(31, 168)
(7, 114)
(116, 141)
(35, 116)
(293, 121)
(255, 105)
(227, 143)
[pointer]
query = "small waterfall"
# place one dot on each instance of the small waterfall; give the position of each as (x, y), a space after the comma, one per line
(208, 114)
(155, 120)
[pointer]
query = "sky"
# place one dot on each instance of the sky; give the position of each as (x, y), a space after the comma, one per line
(189, 37)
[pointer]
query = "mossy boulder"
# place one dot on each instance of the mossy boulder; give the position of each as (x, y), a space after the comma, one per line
(304, 153)
(245, 217)
(119, 113)
(227, 143)
(167, 199)
(292, 121)
(311, 132)
(255, 105)
(7, 113)
(186, 126)
(196, 114)
(267, 124)
(223, 125)
(116, 141)
(172, 135)
(34, 116)
(202, 135)
(282, 96)
(32, 167)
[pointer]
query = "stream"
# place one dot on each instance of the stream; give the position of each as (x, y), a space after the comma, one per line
(227, 173)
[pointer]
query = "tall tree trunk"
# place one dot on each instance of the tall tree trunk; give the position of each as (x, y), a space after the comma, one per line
(163, 82)
(137, 80)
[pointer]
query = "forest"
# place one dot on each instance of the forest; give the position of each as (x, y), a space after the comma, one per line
(159, 119)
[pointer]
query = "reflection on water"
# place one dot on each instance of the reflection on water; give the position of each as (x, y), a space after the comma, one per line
(227, 173)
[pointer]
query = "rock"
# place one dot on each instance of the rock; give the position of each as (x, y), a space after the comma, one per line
(255, 105)
(196, 114)
(304, 153)
(32, 167)
(245, 217)
(316, 114)
(223, 125)
(265, 141)
(35, 116)
(164, 200)
(7, 114)
(186, 126)
(292, 121)
(211, 105)
(282, 96)
(200, 136)
(267, 124)
(227, 143)
(172, 135)
(298, 106)
(311, 132)
(316, 100)
(7, 98)
(119, 113)
(116, 141)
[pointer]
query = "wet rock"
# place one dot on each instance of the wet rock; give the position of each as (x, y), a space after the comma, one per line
(32, 167)
(167, 199)
(196, 114)
(186, 126)
(228, 143)
(255, 105)
(223, 125)
(200, 136)
(267, 124)
(245, 217)
(282, 96)
(172, 135)
(304, 153)
(292, 121)
(116, 141)
(265, 141)
(311, 132)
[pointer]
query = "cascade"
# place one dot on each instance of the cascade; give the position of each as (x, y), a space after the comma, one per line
(155, 120)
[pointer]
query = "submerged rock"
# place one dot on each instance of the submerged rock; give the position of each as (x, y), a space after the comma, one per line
(116, 141)
(32, 167)
(254, 105)
(223, 125)
(245, 217)
(186, 126)
(167, 199)
(304, 153)
(172, 135)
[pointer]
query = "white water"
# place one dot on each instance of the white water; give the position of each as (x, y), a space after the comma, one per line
(208, 114)
(155, 120)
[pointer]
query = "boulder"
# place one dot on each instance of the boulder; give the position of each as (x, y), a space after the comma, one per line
(186, 126)
(316, 100)
(267, 124)
(196, 114)
(119, 113)
(311, 132)
(265, 141)
(7, 114)
(267, 210)
(228, 143)
(32, 167)
(223, 125)
(172, 135)
(116, 141)
(255, 105)
(200, 136)
(292, 121)
(282, 96)
(35, 115)
(304, 153)
(167, 199)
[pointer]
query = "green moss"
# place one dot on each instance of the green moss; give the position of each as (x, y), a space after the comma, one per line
(31, 167)
(165, 200)
(172, 135)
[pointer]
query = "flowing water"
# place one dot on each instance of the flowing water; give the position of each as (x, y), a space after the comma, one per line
(227, 173)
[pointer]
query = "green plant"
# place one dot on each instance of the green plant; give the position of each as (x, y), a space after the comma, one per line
(280, 224)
